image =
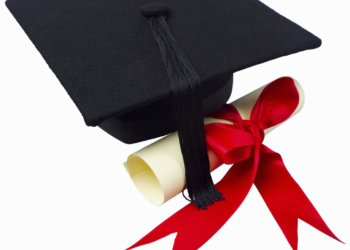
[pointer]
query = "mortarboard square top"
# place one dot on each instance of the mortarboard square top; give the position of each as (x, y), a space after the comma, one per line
(105, 55)
(130, 61)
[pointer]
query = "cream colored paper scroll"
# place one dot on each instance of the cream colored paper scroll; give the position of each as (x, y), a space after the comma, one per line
(158, 170)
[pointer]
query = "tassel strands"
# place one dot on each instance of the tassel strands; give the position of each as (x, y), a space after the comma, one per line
(187, 95)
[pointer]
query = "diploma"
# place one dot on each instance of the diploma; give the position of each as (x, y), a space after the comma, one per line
(158, 170)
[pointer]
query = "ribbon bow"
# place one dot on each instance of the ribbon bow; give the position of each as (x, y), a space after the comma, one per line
(240, 144)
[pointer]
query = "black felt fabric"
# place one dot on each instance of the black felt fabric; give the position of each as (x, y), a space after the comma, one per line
(104, 54)
(152, 121)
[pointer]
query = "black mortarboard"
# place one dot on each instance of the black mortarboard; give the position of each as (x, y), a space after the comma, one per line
(141, 69)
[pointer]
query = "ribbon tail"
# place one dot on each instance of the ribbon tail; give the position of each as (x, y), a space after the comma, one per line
(195, 227)
(285, 199)
(159, 232)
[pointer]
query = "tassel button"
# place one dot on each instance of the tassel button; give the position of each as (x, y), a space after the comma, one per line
(155, 9)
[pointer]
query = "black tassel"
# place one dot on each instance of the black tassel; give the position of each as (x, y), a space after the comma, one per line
(187, 94)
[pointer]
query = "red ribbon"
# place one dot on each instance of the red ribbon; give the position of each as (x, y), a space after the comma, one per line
(254, 163)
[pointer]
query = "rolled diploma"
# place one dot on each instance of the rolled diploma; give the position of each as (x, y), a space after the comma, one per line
(158, 170)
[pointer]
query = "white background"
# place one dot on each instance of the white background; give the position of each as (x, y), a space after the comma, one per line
(63, 185)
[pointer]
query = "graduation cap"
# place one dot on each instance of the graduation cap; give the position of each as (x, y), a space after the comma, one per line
(141, 69)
